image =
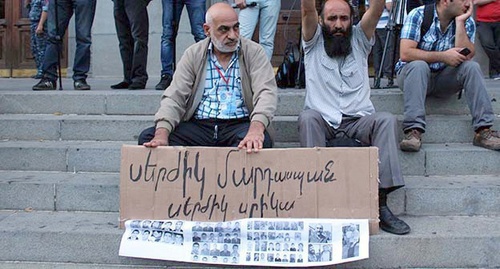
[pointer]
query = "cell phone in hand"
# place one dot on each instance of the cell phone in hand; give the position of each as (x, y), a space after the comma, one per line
(464, 51)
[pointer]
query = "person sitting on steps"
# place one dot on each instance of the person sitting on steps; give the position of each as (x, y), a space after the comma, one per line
(439, 63)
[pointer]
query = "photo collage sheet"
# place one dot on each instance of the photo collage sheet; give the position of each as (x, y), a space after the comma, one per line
(265, 242)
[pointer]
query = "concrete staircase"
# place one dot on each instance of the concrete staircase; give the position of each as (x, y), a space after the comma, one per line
(59, 193)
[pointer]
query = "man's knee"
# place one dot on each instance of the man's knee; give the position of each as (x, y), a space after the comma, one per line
(418, 65)
(386, 117)
(308, 117)
(470, 67)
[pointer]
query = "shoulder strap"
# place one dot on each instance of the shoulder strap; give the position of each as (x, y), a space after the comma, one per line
(427, 21)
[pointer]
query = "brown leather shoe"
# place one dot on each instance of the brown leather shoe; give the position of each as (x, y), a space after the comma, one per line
(487, 138)
(412, 141)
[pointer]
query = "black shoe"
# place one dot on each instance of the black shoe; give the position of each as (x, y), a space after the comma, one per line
(390, 83)
(81, 85)
(164, 82)
(45, 84)
(121, 85)
(37, 76)
(390, 223)
(137, 86)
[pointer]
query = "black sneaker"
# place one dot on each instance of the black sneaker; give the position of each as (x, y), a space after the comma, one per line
(164, 82)
(45, 84)
(81, 85)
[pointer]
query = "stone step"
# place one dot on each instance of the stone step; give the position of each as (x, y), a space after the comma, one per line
(291, 102)
(99, 192)
(104, 156)
(69, 265)
(440, 129)
(93, 238)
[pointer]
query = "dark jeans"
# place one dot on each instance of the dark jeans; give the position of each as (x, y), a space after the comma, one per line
(489, 35)
(132, 27)
(207, 133)
(196, 11)
(84, 11)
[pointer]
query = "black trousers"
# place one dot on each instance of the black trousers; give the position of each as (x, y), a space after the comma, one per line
(207, 133)
(132, 28)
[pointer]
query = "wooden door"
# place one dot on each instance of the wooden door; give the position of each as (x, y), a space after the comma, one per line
(16, 59)
(4, 36)
(22, 61)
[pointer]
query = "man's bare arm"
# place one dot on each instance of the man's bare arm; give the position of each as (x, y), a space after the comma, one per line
(370, 18)
(409, 52)
(461, 38)
(309, 19)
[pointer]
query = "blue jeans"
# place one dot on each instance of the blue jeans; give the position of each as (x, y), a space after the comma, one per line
(84, 11)
(266, 13)
(196, 11)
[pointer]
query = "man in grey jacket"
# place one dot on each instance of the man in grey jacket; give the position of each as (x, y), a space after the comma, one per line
(223, 92)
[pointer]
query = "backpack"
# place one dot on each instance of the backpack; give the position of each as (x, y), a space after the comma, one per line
(427, 21)
(291, 73)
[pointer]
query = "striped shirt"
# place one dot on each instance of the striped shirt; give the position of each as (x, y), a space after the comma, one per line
(338, 86)
(434, 39)
(384, 19)
(222, 98)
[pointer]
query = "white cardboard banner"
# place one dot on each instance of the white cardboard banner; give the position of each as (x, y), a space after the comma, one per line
(259, 242)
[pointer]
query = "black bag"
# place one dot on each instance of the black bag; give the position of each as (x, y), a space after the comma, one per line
(291, 71)
(344, 141)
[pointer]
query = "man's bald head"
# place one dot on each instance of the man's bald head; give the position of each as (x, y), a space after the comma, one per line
(222, 27)
(220, 11)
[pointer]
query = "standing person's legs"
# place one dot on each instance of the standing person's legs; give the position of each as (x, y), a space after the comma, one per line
(34, 46)
(248, 18)
(313, 130)
(171, 14)
(196, 11)
(269, 14)
(378, 50)
(489, 35)
(54, 46)
(126, 42)
(170, 11)
(139, 28)
(41, 45)
(496, 36)
(84, 18)
(388, 64)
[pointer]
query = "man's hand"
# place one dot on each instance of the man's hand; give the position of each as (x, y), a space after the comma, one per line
(254, 139)
(160, 139)
(462, 18)
(39, 29)
(452, 57)
(241, 4)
